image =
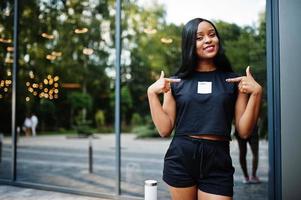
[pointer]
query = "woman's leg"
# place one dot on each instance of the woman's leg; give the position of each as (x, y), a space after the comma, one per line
(188, 193)
(254, 143)
(242, 144)
(207, 196)
(27, 132)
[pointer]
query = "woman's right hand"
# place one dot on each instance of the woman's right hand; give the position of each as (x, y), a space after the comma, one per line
(162, 85)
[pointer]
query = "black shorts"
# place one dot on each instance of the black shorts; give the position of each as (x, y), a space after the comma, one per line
(205, 163)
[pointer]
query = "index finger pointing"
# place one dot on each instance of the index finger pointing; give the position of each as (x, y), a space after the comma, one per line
(173, 80)
(162, 74)
(248, 71)
(234, 80)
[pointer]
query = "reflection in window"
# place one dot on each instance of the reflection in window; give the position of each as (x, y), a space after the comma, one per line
(6, 62)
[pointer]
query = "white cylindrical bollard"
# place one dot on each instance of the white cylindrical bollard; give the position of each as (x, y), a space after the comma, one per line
(150, 190)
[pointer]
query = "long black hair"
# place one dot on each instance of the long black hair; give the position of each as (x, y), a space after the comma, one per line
(189, 55)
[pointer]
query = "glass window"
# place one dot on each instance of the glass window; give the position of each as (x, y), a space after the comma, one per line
(6, 63)
(65, 98)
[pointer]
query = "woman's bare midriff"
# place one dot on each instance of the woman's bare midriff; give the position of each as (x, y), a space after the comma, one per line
(209, 137)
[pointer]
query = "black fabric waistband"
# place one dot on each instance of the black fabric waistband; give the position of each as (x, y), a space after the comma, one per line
(217, 142)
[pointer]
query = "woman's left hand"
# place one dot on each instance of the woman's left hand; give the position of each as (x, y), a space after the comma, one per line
(247, 84)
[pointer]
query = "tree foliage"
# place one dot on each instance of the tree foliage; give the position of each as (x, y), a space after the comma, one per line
(149, 45)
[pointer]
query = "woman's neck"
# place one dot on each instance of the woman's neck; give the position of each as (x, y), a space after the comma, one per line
(205, 66)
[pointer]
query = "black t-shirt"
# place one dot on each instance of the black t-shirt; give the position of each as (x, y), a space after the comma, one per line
(205, 103)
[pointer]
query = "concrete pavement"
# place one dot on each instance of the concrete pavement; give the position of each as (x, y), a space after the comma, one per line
(62, 161)
(20, 193)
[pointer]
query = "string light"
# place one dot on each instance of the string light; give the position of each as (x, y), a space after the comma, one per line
(56, 53)
(10, 49)
(7, 41)
(150, 31)
(30, 89)
(47, 36)
(53, 55)
(166, 40)
(81, 30)
(44, 89)
(50, 57)
(4, 87)
(45, 81)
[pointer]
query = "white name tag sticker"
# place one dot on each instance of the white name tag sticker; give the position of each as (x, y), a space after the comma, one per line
(204, 87)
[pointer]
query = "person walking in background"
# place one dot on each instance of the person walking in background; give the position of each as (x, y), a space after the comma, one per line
(27, 125)
(34, 123)
(253, 141)
(200, 102)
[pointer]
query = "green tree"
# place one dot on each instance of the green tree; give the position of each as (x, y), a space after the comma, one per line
(149, 45)
(79, 101)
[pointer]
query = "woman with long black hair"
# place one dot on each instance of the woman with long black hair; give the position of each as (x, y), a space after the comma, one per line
(200, 102)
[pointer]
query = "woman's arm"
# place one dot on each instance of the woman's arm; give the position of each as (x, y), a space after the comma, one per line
(162, 116)
(248, 104)
(247, 110)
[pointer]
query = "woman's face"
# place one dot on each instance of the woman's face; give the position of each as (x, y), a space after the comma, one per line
(207, 42)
